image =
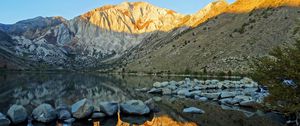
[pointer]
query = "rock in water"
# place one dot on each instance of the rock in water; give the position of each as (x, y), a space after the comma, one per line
(151, 105)
(3, 120)
(135, 107)
(109, 108)
(193, 110)
(17, 114)
(97, 115)
(44, 113)
(82, 109)
(63, 114)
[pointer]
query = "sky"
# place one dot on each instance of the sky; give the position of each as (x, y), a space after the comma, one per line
(16, 10)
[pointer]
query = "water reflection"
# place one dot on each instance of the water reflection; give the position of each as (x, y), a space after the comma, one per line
(157, 121)
(32, 89)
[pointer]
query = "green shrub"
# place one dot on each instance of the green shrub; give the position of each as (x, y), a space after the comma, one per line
(283, 63)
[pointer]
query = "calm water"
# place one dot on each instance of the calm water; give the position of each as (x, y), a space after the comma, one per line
(32, 89)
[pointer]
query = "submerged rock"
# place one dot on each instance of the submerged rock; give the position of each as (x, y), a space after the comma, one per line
(3, 120)
(44, 113)
(97, 115)
(17, 114)
(151, 104)
(82, 109)
(136, 107)
(109, 108)
(193, 110)
(63, 114)
(70, 121)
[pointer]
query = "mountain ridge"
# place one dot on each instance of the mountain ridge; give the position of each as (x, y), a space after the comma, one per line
(107, 34)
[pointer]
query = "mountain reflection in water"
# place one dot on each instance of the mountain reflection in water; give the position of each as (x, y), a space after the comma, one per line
(156, 121)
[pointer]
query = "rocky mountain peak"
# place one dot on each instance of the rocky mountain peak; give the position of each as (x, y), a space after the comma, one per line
(211, 10)
(133, 17)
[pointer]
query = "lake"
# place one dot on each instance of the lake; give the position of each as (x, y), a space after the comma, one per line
(31, 89)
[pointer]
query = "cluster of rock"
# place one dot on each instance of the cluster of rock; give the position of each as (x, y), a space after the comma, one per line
(244, 92)
(83, 109)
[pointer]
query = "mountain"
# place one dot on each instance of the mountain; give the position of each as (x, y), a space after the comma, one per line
(226, 43)
(140, 37)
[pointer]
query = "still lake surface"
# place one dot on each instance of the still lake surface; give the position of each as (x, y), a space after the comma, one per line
(31, 89)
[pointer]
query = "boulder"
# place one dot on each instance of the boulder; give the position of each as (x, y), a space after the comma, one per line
(193, 110)
(187, 80)
(246, 80)
(193, 93)
(211, 96)
(225, 101)
(155, 91)
(159, 85)
(69, 121)
(97, 115)
(214, 82)
(157, 99)
(172, 86)
(173, 83)
(242, 98)
(249, 103)
(151, 104)
(63, 114)
(3, 120)
(44, 113)
(197, 87)
(249, 91)
(182, 91)
(227, 94)
(82, 109)
(109, 108)
(142, 89)
(17, 114)
(135, 107)
(203, 99)
(63, 111)
(166, 91)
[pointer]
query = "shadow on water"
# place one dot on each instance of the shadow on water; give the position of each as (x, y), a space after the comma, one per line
(33, 89)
